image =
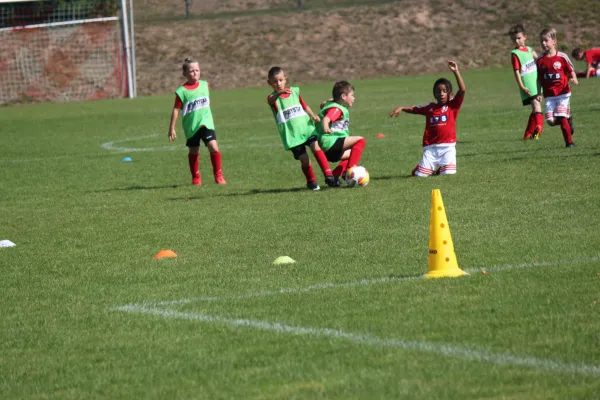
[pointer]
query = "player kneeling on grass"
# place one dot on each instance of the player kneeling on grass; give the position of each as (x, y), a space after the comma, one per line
(295, 122)
(334, 130)
(439, 139)
(192, 98)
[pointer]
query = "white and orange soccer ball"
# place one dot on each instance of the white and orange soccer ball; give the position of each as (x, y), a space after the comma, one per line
(357, 176)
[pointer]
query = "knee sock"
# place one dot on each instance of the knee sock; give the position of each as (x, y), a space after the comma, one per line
(539, 120)
(193, 161)
(531, 123)
(356, 153)
(341, 168)
(566, 130)
(309, 174)
(215, 159)
(323, 163)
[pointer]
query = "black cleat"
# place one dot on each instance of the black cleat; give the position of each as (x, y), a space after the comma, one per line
(313, 186)
(570, 145)
(332, 181)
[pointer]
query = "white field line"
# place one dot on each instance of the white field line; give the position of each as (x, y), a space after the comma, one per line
(223, 144)
(362, 282)
(448, 350)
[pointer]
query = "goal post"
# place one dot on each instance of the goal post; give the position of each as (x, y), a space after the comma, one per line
(66, 50)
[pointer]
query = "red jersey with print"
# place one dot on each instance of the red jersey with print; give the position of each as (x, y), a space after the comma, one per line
(440, 122)
(553, 73)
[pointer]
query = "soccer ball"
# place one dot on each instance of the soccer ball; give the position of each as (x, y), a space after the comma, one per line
(357, 176)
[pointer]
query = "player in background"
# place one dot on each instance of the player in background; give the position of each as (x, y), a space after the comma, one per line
(592, 58)
(525, 70)
(334, 130)
(295, 123)
(192, 98)
(439, 139)
(555, 70)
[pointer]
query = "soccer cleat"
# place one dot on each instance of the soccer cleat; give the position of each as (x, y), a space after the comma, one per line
(332, 181)
(570, 119)
(536, 133)
(313, 186)
(570, 145)
(220, 180)
(526, 137)
(196, 180)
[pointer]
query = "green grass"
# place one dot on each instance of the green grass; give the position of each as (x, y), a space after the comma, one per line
(87, 225)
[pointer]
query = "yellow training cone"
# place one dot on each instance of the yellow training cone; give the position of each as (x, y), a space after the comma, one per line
(442, 259)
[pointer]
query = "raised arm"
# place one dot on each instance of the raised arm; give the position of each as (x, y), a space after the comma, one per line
(273, 98)
(461, 84)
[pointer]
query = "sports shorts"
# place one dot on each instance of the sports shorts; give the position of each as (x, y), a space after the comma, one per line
(297, 151)
(440, 158)
(558, 106)
(207, 135)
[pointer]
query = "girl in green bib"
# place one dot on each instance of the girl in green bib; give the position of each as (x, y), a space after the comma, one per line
(192, 99)
(334, 130)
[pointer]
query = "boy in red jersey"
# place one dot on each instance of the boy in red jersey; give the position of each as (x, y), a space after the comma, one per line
(295, 123)
(439, 139)
(555, 70)
(592, 58)
(523, 62)
(192, 98)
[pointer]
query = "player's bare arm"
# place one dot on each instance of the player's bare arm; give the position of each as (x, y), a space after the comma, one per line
(573, 79)
(312, 115)
(326, 128)
(273, 98)
(520, 82)
(461, 84)
(174, 115)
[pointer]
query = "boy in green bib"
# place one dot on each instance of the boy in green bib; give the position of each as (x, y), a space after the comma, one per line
(525, 70)
(192, 99)
(295, 123)
(334, 130)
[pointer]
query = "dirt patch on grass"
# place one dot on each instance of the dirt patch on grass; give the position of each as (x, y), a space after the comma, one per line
(326, 44)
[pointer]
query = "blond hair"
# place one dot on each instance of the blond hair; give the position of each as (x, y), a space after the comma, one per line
(187, 62)
(550, 32)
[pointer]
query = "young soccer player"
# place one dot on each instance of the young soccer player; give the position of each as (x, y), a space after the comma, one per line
(192, 98)
(334, 130)
(523, 63)
(555, 70)
(439, 139)
(592, 58)
(295, 122)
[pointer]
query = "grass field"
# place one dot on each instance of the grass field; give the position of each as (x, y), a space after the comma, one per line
(87, 313)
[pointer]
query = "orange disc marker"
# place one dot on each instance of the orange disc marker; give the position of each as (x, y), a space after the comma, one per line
(165, 254)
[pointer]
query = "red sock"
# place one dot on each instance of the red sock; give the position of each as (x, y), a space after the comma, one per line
(193, 161)
(215, 159)
(531, 123)
(566, 130)
(323, 163)
(539, 121)
(309, 174)
(341, 168)
(356, 152)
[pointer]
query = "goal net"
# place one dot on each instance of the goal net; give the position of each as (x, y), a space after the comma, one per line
(61, 50)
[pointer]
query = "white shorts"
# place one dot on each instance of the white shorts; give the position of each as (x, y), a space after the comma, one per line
(558, 106)
(442, 157)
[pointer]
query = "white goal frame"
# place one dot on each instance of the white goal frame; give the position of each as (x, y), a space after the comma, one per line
(124, 19)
